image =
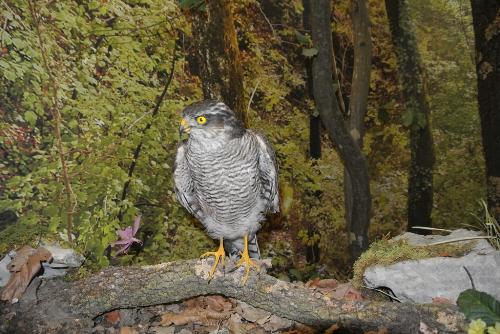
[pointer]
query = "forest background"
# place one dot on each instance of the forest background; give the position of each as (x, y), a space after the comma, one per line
(104, 82)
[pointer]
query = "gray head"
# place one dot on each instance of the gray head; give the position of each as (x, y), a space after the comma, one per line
(209, 119)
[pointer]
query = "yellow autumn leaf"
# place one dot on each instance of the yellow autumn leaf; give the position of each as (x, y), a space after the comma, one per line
(494, 330)
(476, 327)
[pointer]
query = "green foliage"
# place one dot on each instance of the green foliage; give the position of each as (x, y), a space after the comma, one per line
(309, 53)
(445, 36)
(110, 63)
(479, 305)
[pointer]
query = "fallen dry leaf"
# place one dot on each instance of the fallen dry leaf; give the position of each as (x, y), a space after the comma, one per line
(441, 300)
(113, 317)
(23, 267)
(128, 330)
(328, 283)
(379, 331)
(251, 313)
(300, 329)
(333, 328)
(218, 303)
(346, 291)
(276, 323)
(202, 310)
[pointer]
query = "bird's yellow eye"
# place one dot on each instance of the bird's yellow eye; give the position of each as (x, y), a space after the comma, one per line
(201, 119)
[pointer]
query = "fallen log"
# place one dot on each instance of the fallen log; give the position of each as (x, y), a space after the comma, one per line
(56, 306)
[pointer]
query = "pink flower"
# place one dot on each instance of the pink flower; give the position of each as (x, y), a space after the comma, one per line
(127, 236)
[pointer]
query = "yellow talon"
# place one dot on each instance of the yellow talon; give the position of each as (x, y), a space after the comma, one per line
(246, 261)
(218, 254)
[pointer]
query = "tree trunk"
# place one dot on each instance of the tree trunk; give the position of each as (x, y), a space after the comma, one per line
(331, 116)
(417, 115)
(360, 87)
(218, 56)
(486, 20)
(56, 306)
(312, 251)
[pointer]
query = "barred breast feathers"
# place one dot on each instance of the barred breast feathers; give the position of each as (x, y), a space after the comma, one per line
(227, 184)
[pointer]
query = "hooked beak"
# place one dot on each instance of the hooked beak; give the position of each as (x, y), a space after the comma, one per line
(184, 128)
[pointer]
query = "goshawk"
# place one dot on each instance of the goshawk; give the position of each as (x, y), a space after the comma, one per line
(226, 176)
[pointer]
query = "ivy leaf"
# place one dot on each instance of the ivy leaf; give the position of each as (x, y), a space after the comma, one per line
(421, 121)
(189, 4)
(18, 43)
(304, 40)
(30, 117)
(9, 75)
(309, 53)
(408, 118)
(479, 305)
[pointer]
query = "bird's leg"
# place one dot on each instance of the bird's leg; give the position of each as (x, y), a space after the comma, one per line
(246, 261)
(218, 254)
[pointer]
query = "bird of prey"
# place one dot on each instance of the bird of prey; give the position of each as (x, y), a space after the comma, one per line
(226, 176)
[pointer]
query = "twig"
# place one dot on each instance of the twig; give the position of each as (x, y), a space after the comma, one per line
(252, 95)
(138, 120)
(431, 228)
(458, 240)
(56, 115)
(383, 292)
(470, 277)
(267, 20)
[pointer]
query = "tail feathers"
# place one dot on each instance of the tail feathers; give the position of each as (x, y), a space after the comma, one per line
(235, 247)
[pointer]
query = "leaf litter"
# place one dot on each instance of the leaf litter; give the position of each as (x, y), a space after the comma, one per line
(23, 267)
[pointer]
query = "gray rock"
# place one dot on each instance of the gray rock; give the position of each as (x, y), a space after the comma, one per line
(4, 272)
(64, 257)
(421, 280)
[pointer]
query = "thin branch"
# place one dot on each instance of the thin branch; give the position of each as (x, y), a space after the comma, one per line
(56, 115)
(252, 95)
(132, 287)
(431, 228)
(470, 277)
(267, 20)
(138, 148)
(458, 240)
(384, 293)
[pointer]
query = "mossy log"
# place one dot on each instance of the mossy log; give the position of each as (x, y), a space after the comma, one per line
(56, 306)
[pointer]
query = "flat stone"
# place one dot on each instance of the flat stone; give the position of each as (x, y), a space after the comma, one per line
(64, 257)
(422, 280)
(4, 272)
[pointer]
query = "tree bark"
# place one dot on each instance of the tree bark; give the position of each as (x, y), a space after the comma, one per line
(360, 87)
(486, 20)
(331, 116)
(417, 115)
(218, 54)
(64, 307)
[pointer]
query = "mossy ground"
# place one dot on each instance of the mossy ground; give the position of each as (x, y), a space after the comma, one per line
(385, 252)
